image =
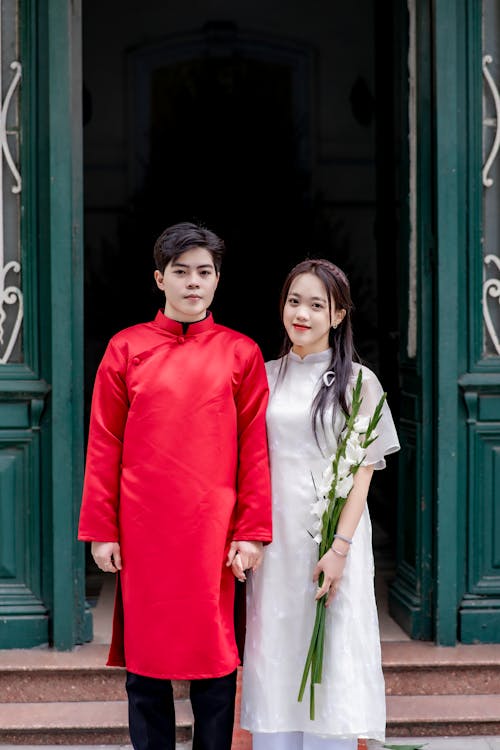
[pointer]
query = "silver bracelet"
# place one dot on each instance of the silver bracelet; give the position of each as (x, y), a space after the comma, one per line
(340, 554)
(344, 538)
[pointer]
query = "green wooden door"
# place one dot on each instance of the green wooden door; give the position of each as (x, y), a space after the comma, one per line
(24, 612)
(41, 372)
(479, 518)
(447, 586)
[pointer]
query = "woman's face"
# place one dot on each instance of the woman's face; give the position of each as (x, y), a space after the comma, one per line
(306, 315)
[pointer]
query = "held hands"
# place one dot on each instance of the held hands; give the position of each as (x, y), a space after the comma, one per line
(332, 567)
(107, 556)
(243, 556)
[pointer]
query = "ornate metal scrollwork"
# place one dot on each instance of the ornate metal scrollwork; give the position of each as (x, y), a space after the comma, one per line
(491, 288)
(9, 293)
(491, 122)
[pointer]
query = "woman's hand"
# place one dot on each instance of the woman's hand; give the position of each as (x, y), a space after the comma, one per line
(332, 567)
(244, 556)
(332, 564)
(107, 556)
(237, 568)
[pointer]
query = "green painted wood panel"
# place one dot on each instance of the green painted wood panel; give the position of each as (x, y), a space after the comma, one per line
(484, 516)
(410, 594)
(8, 490)
(489, 408)
(479, 616)
(14, 415)
(23, 614)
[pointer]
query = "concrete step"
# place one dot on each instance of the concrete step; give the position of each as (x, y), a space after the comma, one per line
(42, 675)
(72, 696)
(410, 668)
(77, 723)
(92, 723)
(418, 668)
(442, 715)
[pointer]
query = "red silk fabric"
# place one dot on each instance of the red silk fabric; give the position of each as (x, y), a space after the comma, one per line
(177, 467)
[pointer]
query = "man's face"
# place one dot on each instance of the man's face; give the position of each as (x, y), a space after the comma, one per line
(189, 283)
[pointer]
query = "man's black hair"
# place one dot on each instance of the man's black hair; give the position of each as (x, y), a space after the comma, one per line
(186, 235)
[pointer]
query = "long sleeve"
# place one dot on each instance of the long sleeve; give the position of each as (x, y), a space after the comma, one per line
(253, 517)
(99, 510)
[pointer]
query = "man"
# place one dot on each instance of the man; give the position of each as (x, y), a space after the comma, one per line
(176, 485)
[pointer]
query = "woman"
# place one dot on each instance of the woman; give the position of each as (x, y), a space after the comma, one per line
(311, 387)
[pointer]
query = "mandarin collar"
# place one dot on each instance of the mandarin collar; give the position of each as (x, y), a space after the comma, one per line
(174, 327)
(324, 356)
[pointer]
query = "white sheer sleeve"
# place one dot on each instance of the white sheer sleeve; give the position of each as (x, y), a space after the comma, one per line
(387, 441)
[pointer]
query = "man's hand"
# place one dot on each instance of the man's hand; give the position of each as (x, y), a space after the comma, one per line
(244, 556)
(107, 556)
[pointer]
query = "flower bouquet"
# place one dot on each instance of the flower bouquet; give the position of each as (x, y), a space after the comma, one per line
(338, 478)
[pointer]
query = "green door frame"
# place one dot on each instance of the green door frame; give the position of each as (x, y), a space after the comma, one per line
(450, 150)
(70, 622)
(58, 29)
(411, 594)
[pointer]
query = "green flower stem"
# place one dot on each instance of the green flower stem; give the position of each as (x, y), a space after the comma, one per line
(312, 704)
(314, 660)
(318, 672)
(311, 652)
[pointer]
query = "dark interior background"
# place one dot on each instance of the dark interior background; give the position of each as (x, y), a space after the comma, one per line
(275, 124)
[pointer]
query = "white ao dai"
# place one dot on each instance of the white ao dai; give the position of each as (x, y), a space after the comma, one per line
(350, 701)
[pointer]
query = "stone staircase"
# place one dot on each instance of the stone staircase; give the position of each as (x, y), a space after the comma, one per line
(434, 690)
(51, 697)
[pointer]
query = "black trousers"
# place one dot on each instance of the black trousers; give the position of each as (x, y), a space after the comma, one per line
(152, 716)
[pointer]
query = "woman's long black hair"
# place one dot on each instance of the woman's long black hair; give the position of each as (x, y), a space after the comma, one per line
(340, 339)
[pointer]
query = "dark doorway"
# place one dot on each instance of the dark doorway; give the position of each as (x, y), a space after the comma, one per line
(264, 131)
(224, 143)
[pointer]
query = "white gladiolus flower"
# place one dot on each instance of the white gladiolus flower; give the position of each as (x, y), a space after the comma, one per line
(344, 486)
(343, 467)
(324, 489)
(328, 473)
(361, 424)
(354, 452)
(326, 480)
(319, 507)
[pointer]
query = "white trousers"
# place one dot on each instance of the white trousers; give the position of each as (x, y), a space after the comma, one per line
(299, 741)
